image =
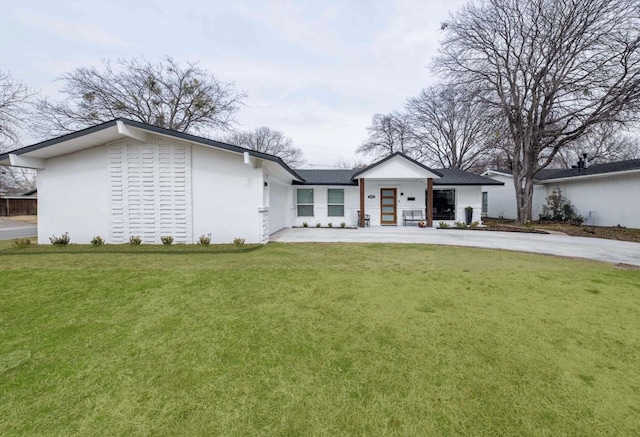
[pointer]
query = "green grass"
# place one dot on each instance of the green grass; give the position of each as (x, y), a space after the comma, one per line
(316, 339)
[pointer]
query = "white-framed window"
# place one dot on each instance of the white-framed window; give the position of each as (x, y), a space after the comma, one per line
(335, 202)
(485, 203)
(304, 201)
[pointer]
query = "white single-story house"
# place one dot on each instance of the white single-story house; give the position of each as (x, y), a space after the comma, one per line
(604, 194)
(124, 178)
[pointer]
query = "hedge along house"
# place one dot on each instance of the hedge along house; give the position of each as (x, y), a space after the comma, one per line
(123, 178)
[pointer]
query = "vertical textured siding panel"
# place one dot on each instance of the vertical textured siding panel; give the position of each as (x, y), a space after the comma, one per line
(150, 192)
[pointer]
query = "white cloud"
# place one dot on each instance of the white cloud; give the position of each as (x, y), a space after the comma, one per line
(73, 31)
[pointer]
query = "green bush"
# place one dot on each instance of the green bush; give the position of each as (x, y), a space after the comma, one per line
(318, 225)
(238, 242)
(343, 225)
(97, 240)
(474, 224)
(461, 224)
(21, 242)
(204, 240)
(560, 209)
(62, 240)
(167, 240)
(330, 224)
(305, 224)
(443, 225)
(135, 240)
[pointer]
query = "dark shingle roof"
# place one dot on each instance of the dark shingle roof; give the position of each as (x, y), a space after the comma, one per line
(345, 177)
(559, 173)
(452, 176)
(611, 167)
(326, 177)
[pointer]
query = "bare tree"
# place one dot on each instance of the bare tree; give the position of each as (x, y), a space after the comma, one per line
(553, 68)
(451, 128)
(388, 133)
(267, 140)
(605, 143)
(345, 164)
(15, 98)
(15, 101)
(164, 94)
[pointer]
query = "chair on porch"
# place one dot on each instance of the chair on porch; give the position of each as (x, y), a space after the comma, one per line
(366, 219)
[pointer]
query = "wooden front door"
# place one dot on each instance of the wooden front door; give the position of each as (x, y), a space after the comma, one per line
(388, 201)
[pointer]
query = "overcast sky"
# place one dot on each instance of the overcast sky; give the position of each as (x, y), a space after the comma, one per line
(316, 70)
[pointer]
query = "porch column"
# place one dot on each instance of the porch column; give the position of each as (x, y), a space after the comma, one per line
(430, 202)
(361, 218)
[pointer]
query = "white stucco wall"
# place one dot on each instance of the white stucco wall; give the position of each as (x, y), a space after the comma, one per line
(320, 209)
(227, 194)
(502, 199)
(72, 196)
(604, 201)
(280, 201)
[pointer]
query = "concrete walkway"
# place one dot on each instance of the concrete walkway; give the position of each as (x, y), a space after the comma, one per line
(598, 249)
(10, 229)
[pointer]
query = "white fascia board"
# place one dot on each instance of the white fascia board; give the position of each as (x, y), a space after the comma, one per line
(130, 132)
(25, 161)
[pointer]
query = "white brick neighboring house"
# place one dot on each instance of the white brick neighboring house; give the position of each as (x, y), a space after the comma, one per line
(604, 194)
(123, 178)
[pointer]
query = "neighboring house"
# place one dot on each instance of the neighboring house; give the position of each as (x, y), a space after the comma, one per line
(124, 178)
(13, 204)
(604, 194)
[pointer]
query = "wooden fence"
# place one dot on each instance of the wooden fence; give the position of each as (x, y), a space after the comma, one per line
(11, 206)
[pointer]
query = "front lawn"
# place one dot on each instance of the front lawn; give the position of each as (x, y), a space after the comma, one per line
(316, 339)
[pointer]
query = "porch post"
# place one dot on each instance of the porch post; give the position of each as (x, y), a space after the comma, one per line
(430, 202)
(361, 183)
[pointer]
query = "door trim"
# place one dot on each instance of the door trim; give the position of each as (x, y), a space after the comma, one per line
(395, 206)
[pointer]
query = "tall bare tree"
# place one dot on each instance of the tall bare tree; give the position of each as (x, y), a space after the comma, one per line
(553, 68)
(345, 164)
(15, 102)
(267, 140)
(166, 94)
(451, 128)
(388, 133)
(605, 143)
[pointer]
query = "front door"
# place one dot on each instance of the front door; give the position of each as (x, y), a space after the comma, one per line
(388, 206)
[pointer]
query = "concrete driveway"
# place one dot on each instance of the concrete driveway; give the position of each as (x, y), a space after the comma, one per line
(563, 245)
(10, 229)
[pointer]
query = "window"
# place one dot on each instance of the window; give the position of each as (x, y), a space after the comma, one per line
(335, 202)
(444, 204)
(304, 199)
(485, 203)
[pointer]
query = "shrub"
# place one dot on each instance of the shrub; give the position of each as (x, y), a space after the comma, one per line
(305, 224)
(461, 225)
(63, 239)
(167, 240)
(204, 240)
(474, 224)
(560, 209)
(97, 240)
(318, 225)
(238, 242)
(443, 225)
(135, 240)
(330, 224)
(343, 225)
(21, 242)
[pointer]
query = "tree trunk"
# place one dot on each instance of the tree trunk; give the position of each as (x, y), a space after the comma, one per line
(524, 198)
